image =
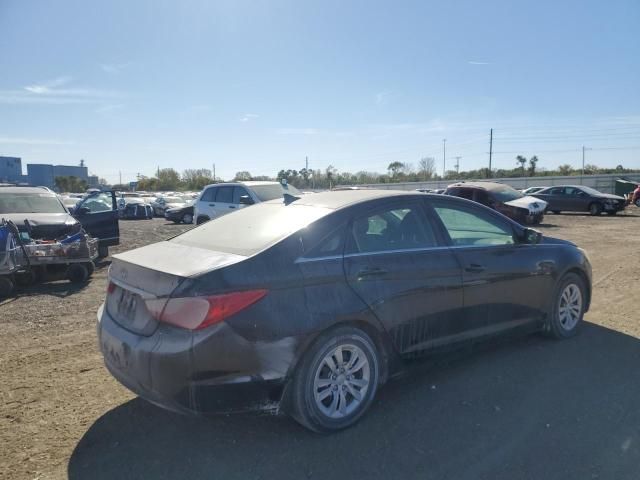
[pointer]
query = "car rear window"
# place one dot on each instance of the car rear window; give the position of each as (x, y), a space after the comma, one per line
(252, 229)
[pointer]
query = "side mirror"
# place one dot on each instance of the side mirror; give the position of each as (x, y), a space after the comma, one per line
(532, 237)
(246, 200)
(82, 211)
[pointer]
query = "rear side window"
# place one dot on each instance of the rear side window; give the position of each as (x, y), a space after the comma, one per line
(556, 191)
(224, 195)
(395, 228)
(468, 227)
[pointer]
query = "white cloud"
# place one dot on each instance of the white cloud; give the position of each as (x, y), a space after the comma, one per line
(56, 92)
(383, 97)
(297, 131)
(109, 108)
(247, 117)
(33, 141)
(47, 86)
(473, 62)
(113, 68)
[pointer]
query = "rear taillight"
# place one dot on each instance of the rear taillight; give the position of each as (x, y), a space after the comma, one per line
(111, 287)
(196, 313)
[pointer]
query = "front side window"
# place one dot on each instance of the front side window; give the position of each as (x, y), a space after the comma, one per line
(98, 203)
(473, 228)
(394, 228)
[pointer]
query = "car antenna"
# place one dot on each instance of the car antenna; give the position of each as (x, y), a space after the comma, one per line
(288, 198)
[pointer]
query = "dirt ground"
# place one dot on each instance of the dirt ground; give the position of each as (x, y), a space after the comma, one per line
(529, 408)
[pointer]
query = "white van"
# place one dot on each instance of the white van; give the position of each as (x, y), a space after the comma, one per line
(222, 198)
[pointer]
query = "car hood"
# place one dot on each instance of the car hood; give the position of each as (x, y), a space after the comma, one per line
(556, 241)
(44, 225)
(532, 204)
(175, 205)
(179, 209)
(176, 259)
(610, 196)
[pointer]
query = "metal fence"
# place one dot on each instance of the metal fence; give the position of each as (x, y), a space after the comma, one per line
(603, 183)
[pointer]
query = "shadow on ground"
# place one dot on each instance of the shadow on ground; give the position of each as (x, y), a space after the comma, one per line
(533, 408)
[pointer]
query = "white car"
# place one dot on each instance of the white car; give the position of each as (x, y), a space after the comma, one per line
(222, 198)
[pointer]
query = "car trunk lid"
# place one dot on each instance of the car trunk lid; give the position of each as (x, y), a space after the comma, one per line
(151, 273)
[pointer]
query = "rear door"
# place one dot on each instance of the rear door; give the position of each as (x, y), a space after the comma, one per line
(503, 280)
(224, 201)
(98, 214)
(397, 264)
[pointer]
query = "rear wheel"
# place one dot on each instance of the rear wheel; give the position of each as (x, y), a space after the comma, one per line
(336, 381)
(103, 251)
(77, 273)
(6, 286)
(595, 209)
(202, 220)
(568, 307)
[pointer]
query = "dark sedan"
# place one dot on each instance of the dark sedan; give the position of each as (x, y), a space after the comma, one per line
(182, 214)
(578, 198)
(311, 304)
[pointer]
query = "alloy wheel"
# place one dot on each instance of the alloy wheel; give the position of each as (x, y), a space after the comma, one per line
(570, 307)
(341, 381)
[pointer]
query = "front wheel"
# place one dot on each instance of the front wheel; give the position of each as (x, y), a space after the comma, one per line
(595, 209)
(568, 307)
(336, 381)
(103, 251)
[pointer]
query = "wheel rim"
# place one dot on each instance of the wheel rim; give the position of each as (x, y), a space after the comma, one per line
(187, 218)
(594, 208)
(570, 306)
(342, 381)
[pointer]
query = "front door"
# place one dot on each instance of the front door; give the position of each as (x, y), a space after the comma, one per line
(500, 275)
(396, 264)
(98, 214)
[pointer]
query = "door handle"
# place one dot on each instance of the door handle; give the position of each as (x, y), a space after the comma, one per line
(212, 204)
(475, 268)
(371, 271)
(232, 206)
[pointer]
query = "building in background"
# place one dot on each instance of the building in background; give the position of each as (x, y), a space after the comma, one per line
(11, 170)
(44, 175)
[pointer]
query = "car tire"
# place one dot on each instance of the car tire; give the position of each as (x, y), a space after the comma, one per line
(556, 212)
(568, 305)
(342, 365)
(612, 212)
(103, 251)
(6, 286)
(187, 218)
(637, 202)
(202, 220)
(90, 268)
(25, 278)
(595, 209)
(77, 273)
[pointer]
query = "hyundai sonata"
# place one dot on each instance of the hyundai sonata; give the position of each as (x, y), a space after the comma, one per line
(310, 304)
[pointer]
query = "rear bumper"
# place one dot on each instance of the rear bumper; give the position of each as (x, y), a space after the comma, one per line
(212, 372)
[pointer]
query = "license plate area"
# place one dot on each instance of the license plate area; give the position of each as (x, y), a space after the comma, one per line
(128, 309)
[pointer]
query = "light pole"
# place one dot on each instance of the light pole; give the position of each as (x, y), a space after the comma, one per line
(583, 150)
(444, 157)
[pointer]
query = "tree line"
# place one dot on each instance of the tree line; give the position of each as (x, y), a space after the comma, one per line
(169, 179)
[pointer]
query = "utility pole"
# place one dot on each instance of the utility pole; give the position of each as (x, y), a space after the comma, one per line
(457, 165)
(583, 150)
(120, 173)
(214, 173)
(490, 151)
(444, 157)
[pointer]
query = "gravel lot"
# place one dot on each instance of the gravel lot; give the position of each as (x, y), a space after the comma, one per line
(529, 408)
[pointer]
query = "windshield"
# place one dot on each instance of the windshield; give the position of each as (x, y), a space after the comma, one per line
(251, 230)
(29, 202)
(273, 191)
(506, 194)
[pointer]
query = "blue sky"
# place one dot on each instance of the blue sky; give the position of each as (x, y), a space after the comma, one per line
(258, 85)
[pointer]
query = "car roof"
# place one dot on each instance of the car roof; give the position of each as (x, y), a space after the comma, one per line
(491, 186)
(341, 198)
(250, 183)
(27, 190)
